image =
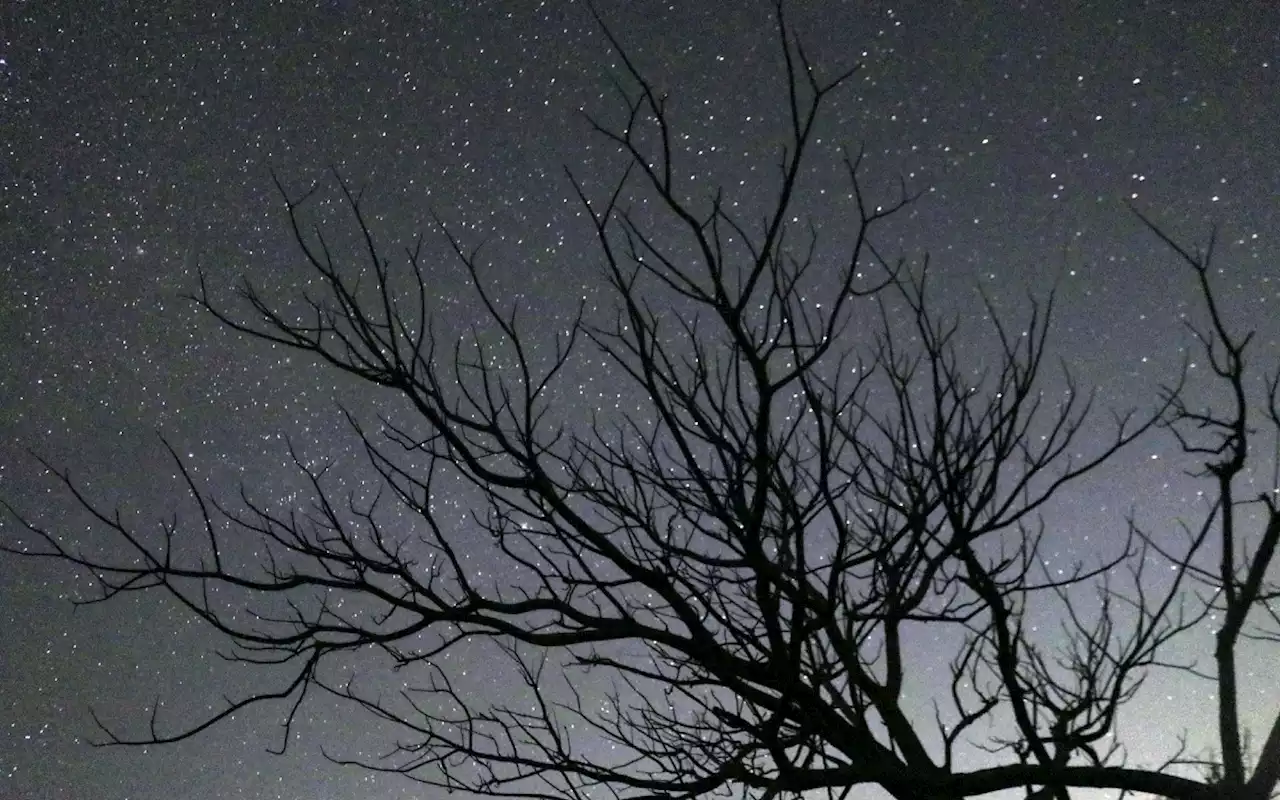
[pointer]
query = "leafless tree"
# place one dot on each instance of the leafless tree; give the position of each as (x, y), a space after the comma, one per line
(819, 472)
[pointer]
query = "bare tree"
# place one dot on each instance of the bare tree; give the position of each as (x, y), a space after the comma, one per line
(818, 474)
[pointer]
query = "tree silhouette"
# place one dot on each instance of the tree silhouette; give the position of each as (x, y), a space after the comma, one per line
(818, 472)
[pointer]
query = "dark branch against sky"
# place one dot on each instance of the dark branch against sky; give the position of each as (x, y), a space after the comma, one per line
(137, 146)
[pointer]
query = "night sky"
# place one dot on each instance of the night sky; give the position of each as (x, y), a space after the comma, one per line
(137, 146)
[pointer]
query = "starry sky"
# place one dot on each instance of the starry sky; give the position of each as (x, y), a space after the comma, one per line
(137, 142)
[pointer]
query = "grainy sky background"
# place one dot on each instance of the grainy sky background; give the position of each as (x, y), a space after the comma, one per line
(136, 142)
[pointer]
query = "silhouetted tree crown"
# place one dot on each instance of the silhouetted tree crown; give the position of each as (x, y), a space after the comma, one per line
(820, 470)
